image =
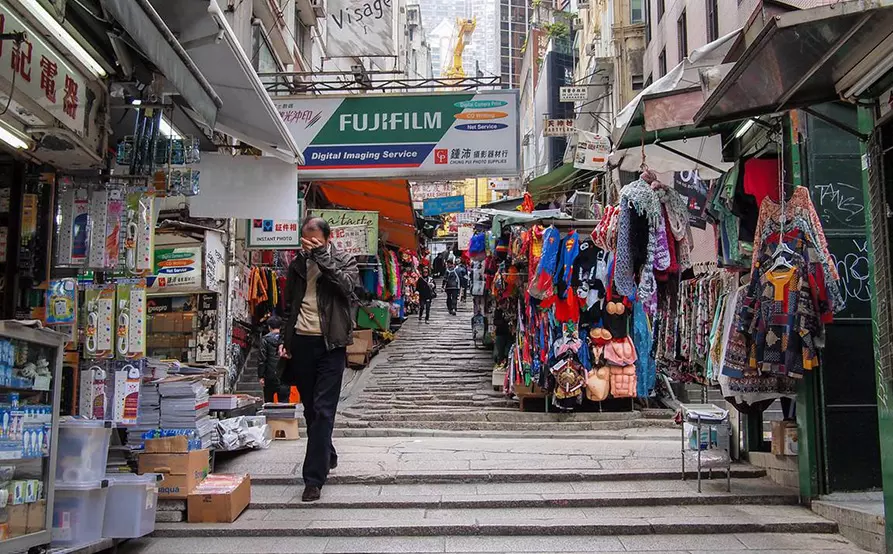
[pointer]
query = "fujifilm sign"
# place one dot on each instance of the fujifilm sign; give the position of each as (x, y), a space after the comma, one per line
(405, 136)
(390, 121)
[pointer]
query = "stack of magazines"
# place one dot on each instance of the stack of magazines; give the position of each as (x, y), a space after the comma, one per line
(279, 410)
(185, 404)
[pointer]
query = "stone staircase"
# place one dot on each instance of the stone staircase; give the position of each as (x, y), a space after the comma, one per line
(512, 511)
(248, 383)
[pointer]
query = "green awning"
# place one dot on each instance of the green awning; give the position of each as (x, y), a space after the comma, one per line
(558, 181)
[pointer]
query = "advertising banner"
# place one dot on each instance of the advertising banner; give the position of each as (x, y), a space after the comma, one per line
(465, 233)
(558, 127)
(396, 136)
(572, 93)
(351, 239)
(690, 185)
(347, 218)
(445, 205)
(592, 151)
(177, 268)
(274, 234)
(355, 27)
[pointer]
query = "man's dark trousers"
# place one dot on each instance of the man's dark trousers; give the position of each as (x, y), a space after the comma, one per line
(317, 373)
(452, 300)
(425, 309)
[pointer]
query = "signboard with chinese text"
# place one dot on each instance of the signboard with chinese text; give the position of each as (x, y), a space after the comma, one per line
(394, 136)
(558, 127)
(351, 239)
(41, 73)
(592, 151)
(465, 233)
(177, 268)
(345, 218)
(445, 205)
(573, 93)
(274, 234)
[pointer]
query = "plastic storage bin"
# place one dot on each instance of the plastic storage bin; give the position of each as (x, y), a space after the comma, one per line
(83, 450)
(78, 511)
(130, 505)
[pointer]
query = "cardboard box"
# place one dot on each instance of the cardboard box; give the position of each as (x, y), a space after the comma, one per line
(37, 516)
(17, 517)
(784, 438)
(182, 472)
(284, 429)
(167, 445)
(219, 499)
(359, 346)
(366, 335)
(361, 359)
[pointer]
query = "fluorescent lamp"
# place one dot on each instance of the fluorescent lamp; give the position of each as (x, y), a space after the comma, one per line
(168, 130)
(136, 102)
(744, 128)
(64, 37)
(9, 138)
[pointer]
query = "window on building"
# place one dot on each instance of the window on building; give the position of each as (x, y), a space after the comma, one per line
(682, 35)
(662, 62)
(661, 8)
(712, 20)
(638, 82)
(647, 21)
(636, 11)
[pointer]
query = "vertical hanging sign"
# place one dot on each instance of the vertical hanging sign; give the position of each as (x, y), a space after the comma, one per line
(360, 28)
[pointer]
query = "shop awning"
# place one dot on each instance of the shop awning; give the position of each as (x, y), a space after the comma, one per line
(798, 59)
(558, 181)
(702, 153)
(666, 108)
(246, 111)
(391, 199)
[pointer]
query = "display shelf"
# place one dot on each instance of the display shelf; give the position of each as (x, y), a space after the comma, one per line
(27, 413)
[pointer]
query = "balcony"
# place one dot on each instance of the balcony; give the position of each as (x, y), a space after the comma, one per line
(310, 10)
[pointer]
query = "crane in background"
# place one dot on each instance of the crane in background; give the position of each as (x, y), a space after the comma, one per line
(465, 28)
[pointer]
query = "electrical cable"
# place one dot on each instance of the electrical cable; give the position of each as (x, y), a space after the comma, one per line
(12, 87)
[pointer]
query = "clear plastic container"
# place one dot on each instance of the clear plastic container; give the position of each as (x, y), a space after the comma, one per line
(130, 506)
(83, 450)
(78, 511)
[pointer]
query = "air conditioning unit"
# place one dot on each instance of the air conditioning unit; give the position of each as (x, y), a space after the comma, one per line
(582, 4)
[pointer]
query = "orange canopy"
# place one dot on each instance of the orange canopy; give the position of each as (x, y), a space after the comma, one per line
(390, 198)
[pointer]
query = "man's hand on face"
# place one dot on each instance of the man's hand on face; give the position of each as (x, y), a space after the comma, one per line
(311, 244)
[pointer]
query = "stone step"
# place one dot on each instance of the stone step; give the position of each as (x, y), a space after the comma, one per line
(516, 477)
(805, 543)
(605, 425)
(504, 417)
(530, 495)
(599, 521)
(628, 433)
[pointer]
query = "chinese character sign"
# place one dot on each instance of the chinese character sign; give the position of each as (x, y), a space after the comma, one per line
(36, 70)
(274, 234)
(350, 239)
(558, 127)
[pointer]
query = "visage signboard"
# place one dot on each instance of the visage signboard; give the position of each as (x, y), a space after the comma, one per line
(388, 136)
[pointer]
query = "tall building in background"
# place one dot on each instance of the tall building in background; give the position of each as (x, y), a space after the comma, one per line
(482, 54)
(514, 22)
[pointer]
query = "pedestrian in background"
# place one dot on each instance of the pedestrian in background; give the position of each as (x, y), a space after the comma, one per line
(319, 294)
(427, 293)
(452, 284)
(268, 372)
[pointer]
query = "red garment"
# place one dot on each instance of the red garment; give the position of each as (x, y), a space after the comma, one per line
(761, 178)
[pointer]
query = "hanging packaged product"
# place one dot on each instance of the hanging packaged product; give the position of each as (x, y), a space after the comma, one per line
(73, 235)
(125, 404)
(139, 234)
(130, 341)
(113, 228)
(61, 302)
(94, 389)
(99, 329)
(98, 216)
